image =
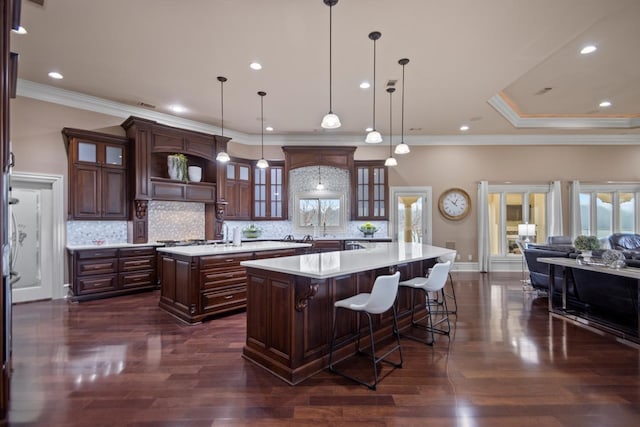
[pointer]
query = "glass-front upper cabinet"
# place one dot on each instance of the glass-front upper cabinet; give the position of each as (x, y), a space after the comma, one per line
(100, 153)
(269, 192)
(371, 191)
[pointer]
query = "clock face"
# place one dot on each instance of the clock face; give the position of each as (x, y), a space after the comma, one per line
(454, 204)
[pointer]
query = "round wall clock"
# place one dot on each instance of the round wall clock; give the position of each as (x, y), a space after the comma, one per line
(454, 204)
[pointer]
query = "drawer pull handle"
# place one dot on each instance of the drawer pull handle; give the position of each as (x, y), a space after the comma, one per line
(228, 297)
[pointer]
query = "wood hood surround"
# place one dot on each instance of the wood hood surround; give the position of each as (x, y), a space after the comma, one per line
(151, 142)
(339, 157)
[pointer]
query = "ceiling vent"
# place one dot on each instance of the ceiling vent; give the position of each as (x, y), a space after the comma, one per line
(145, 105)
(391, 83)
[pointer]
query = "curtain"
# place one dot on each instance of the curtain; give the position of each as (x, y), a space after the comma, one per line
(555, 209)
(483, 226)
(576, 223)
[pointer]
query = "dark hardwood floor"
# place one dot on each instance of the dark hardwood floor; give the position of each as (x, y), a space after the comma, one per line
(123, 362)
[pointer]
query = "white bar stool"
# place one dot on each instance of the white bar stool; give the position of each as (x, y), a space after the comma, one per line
(452, 296)
(381, 299)
(434, 282)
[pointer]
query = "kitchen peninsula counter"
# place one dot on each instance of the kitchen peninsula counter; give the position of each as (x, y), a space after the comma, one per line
(201, 281)
(290, 302)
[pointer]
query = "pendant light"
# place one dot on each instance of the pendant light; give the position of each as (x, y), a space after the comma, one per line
(222, 156)
(374, 136)
(330, 120)
(391, 161)
(262, 163)
(320, 185)
(402, 148)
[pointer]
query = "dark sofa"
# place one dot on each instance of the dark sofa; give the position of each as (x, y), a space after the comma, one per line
(610, 299)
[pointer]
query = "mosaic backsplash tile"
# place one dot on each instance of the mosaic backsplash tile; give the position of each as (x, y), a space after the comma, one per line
(175, 220)
(85, 232)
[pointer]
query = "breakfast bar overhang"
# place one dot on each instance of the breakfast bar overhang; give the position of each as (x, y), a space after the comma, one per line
(290, 302)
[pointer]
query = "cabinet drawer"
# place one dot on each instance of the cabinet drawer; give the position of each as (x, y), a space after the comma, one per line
(219, 279)
(97, 253)
(136, 264)
(91, 285)
(224, 260)
(221, 301)
(94, 266)
(134, 280)
(128, 252)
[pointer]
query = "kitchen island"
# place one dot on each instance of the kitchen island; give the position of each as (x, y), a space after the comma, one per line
(201, 281)
(290, 302)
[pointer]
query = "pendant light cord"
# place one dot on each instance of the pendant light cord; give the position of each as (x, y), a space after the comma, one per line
(262, 126)
(402, 120)
(222, 107)
(374, 84)
(390, 121)
(330, 56)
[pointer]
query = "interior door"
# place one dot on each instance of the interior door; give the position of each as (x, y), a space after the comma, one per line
(411, 214)
(31, 245)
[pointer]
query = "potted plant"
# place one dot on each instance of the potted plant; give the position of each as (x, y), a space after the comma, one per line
(368, 229)
(251, 231)
(177, 164)
(586, 244)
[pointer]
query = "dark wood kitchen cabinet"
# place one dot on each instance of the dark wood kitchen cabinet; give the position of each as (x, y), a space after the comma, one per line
(97, 175)
(238, 190)
(270, 192)
(106, 272)
(196, 287)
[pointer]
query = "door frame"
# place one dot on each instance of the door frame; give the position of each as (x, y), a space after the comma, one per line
(427, 216)
(57, 222)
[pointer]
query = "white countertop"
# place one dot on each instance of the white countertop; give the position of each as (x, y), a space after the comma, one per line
(331, 264)
(203, 250)
(109, 246)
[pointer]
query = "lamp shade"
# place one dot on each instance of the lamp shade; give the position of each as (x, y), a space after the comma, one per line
(373, 137)
(391, 161)
(223, 157)
(402, 148)
(262, 164)
(526, 230)
(330, 121)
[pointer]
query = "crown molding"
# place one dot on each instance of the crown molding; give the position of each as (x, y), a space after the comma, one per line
(500, 104)
(81, 101)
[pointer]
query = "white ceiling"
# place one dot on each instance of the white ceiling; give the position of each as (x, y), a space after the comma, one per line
(472, 62)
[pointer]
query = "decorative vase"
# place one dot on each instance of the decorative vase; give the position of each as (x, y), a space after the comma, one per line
(195, 173)
(174, 169)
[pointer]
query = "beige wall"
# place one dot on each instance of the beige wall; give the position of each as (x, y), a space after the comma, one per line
(38, 146)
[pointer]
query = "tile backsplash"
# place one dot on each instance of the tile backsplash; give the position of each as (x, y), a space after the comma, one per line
(85, 232)
(175, 220)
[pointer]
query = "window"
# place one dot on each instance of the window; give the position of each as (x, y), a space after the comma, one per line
(609, 208)
(319, 211)
(510, 206)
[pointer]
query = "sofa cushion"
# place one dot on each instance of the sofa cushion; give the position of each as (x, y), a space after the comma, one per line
(622, 241)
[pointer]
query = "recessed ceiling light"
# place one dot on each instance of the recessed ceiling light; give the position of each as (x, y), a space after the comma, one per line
(255, 66)
(368, 129)
(605, 104)
(365, 85)
(464, 128)
(20, 30)
(588, 49)
(55, 75)
(269, 129)
(177, 108)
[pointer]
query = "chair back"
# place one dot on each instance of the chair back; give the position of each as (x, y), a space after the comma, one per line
(448, 257)
(438, 276)
(383, 294)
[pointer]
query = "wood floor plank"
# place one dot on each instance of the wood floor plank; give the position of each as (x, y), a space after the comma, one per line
(124, 362)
